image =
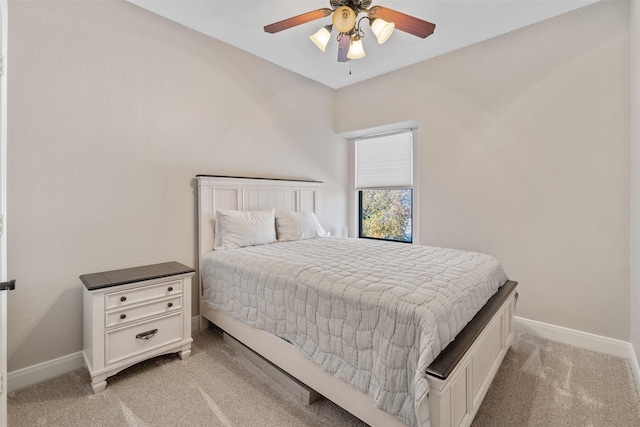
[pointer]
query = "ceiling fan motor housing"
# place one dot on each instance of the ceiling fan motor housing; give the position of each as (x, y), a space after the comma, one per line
(354, 4)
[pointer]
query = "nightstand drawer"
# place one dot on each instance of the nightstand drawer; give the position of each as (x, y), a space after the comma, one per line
(140, 337)
(138, 312)
(145, 293)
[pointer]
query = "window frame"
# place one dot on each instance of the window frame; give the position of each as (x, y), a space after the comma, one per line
(358, 191)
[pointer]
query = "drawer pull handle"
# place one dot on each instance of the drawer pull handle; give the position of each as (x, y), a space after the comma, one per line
(123, 299)
(170, 305)
(170, 288)
(147, 335)
(123, 316)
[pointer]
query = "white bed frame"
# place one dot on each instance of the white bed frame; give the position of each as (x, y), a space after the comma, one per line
(453, 401)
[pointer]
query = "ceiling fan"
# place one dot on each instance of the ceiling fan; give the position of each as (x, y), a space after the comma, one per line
(345, 20)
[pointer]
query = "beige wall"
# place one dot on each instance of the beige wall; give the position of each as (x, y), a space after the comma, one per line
(112, 112)
(524, 154)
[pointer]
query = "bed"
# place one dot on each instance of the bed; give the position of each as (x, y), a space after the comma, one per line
(437, 376)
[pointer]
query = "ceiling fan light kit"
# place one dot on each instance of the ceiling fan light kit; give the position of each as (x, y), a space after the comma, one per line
(345, 20)
(321, 37)
(356, 50)
(382, 29)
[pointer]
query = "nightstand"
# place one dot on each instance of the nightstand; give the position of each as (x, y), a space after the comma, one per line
(134, 314)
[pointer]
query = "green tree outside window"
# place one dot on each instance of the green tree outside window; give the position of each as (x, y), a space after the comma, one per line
(386, 214)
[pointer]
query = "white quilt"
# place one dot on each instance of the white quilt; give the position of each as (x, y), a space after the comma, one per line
(375, 314)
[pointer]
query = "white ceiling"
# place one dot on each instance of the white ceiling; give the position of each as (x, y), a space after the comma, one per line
(459, 23)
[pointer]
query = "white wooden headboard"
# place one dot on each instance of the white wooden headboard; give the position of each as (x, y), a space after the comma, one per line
(245, 194)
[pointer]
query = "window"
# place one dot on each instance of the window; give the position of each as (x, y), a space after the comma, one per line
(384, 182)
(386, 214)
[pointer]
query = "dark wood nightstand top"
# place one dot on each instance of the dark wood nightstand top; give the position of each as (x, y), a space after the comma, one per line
(106, 279)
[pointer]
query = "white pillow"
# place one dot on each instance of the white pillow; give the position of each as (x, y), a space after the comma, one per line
(298, 226)
(244, 228)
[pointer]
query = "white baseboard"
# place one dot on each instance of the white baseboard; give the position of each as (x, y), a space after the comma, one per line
(43, 371)
(582, 340)
(195, 323)
(572, 337)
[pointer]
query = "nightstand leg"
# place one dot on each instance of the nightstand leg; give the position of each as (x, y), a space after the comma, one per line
(99, 383)
(185, 354)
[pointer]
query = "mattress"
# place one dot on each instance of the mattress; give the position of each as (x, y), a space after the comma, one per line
(373, 313)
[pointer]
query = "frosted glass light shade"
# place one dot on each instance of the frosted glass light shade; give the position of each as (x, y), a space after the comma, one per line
(382, 29)
(356, 50)
(322, 37)
(344, 19)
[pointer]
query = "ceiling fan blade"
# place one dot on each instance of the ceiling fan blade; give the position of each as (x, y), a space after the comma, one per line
(343, 48)
(403, 22)
(297, 20)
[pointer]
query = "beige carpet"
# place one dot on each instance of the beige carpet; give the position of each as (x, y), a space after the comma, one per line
(540, 383)
(545, 383)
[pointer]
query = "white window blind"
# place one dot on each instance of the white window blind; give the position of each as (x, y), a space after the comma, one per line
(385, 161)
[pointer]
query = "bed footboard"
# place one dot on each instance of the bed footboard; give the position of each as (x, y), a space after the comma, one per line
(460, 377)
